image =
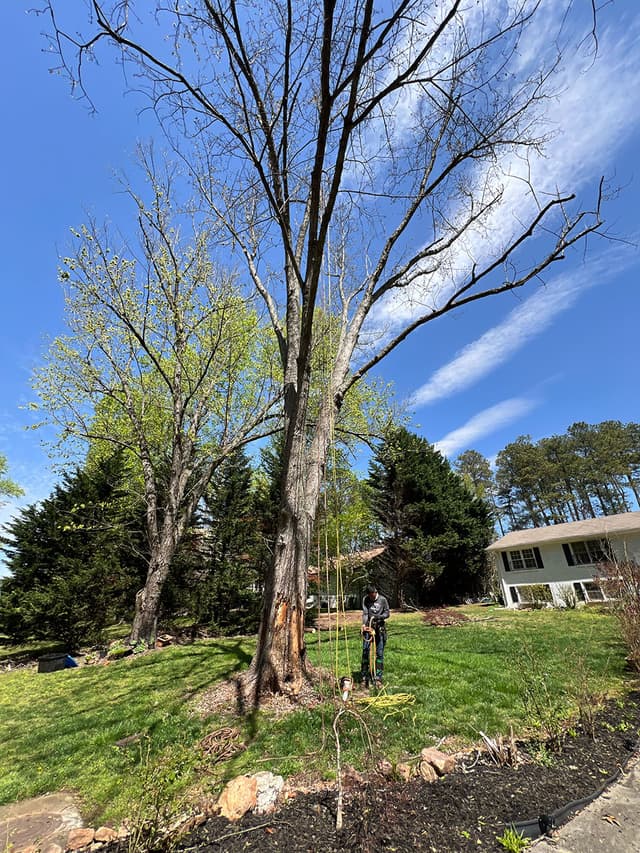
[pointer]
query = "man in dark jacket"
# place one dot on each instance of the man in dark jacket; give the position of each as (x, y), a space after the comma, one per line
(375, 612)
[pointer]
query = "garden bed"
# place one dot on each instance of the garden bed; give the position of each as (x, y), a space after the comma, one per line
(467, 810)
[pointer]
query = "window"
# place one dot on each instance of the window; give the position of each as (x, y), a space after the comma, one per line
(586, 553)
(525, 558)
(594, 593)
(539, 593)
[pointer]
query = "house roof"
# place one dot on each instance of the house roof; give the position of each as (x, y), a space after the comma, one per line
(604, 526)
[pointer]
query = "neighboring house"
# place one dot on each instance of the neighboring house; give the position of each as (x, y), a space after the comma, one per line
(351, 580)
(561, 561)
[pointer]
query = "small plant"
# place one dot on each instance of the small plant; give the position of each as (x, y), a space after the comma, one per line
(620, 580)
(583, 693)
(512, 841)
(139, 647)
(118, 649)
(503, 750)
(545, 705)
(156, 805)
(567, 595)
(541, 755)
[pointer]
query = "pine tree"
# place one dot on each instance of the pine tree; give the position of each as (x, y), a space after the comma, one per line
(435, 530)
(74, 559)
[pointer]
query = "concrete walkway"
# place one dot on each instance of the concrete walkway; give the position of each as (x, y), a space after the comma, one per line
(610, 824)
(41, 822)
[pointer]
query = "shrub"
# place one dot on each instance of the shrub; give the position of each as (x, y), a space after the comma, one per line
(620, 581)
(567, 595)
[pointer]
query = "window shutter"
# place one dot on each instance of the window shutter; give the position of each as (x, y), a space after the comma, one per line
(505, 560)
(568, 555)
(539, 562)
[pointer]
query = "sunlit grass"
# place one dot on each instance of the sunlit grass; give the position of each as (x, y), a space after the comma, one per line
(59, 730)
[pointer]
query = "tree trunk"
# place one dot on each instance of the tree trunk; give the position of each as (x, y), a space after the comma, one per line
(145, 620)
(279, 664)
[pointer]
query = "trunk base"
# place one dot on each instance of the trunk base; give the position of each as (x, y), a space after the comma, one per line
(239, 694)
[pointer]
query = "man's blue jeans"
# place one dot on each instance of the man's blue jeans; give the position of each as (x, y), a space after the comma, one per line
(367, 675)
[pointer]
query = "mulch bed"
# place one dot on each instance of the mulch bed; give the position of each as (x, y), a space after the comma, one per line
(464, 811)
(443, 617)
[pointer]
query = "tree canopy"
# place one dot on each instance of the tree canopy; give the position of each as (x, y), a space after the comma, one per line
(75, 559)
(590, 470)
(7, 485)
(165, 360)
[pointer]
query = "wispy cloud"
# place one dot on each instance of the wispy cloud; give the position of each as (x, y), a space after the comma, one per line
(591, 115)
(484, 423)
(525, 322)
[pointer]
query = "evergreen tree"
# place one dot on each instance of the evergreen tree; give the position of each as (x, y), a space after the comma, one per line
(72, 561)
(435, 531)
(230, 599)
(476, 471)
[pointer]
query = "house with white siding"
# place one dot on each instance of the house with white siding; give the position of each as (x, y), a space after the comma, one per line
(561, 561)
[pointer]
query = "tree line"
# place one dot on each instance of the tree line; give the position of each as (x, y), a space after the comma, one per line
(77, 559)
(591, 470)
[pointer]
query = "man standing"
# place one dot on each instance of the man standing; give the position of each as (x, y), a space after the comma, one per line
(375, 611)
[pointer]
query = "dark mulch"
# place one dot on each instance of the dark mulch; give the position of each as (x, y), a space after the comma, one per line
(464, 811)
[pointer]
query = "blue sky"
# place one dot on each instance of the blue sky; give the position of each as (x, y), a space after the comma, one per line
(530, 362)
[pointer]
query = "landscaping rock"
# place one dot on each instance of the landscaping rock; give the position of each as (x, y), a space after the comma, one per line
(384, 767)
(79, 838)
(38, 822)
(51, 847)
(427, 772)
(441, 762)
(105, 834)
(238, 797)
(268, 791)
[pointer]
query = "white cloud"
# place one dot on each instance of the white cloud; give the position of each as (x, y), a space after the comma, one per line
(484, 423)
(499, 343)
(593, 112)
(522, 324)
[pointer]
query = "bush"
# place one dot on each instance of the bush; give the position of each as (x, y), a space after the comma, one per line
(621, 582)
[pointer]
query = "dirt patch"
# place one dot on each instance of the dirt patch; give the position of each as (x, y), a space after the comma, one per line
(234, 697)
(443, 617)
(466, 810)
(329, 621)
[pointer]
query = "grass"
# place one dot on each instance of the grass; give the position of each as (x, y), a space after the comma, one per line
(59, 730)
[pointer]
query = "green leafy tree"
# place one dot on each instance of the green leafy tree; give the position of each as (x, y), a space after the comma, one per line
(435, 531)
(354, 156)
(7, 486)
(164, 360)
(344, 524)
(74, 559)
(231, 596)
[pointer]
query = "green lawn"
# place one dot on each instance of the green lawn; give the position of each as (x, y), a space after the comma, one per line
(58, 730)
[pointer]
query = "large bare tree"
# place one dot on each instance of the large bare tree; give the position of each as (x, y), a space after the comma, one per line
(375, 160)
